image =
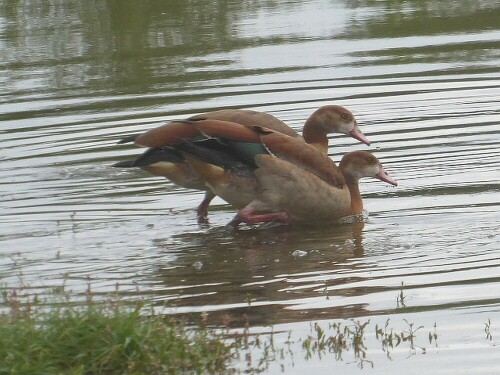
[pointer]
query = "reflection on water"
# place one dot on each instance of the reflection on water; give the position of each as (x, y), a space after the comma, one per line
(271, 268)
(421, 77)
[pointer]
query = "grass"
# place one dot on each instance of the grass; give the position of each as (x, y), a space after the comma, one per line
(102, 338)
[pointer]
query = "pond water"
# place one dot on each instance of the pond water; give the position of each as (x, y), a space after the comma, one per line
(423, 80)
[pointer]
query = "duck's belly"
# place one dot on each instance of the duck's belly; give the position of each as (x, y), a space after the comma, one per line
(238, 191)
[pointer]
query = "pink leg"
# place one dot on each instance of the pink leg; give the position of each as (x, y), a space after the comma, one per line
(202, 210)
(248, 215)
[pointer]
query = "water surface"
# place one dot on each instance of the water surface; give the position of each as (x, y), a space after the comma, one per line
(423, 81)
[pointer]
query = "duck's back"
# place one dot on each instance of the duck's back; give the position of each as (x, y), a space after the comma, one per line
(248, 118)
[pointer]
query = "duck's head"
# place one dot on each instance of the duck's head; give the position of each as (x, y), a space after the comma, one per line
(337, 119)
(359, 164)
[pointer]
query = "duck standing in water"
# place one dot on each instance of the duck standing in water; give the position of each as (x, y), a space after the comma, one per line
(303, 197)
(165, 155)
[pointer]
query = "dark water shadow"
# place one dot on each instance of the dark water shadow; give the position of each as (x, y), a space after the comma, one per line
(256, 272)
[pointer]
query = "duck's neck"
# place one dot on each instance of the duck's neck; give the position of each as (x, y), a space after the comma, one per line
(356, 200)
(314, 134)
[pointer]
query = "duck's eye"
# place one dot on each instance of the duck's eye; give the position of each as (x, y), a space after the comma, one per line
(344, 116)
(369, 160)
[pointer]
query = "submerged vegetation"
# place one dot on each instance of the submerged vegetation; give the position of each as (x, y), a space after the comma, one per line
(487, 330)
(400, 299)
(340, 338)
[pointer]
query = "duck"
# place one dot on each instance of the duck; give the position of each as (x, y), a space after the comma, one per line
(281, 179)
(289, 194)
(165, 157)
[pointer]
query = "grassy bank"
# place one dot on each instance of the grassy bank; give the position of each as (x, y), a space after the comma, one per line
(103, 338)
